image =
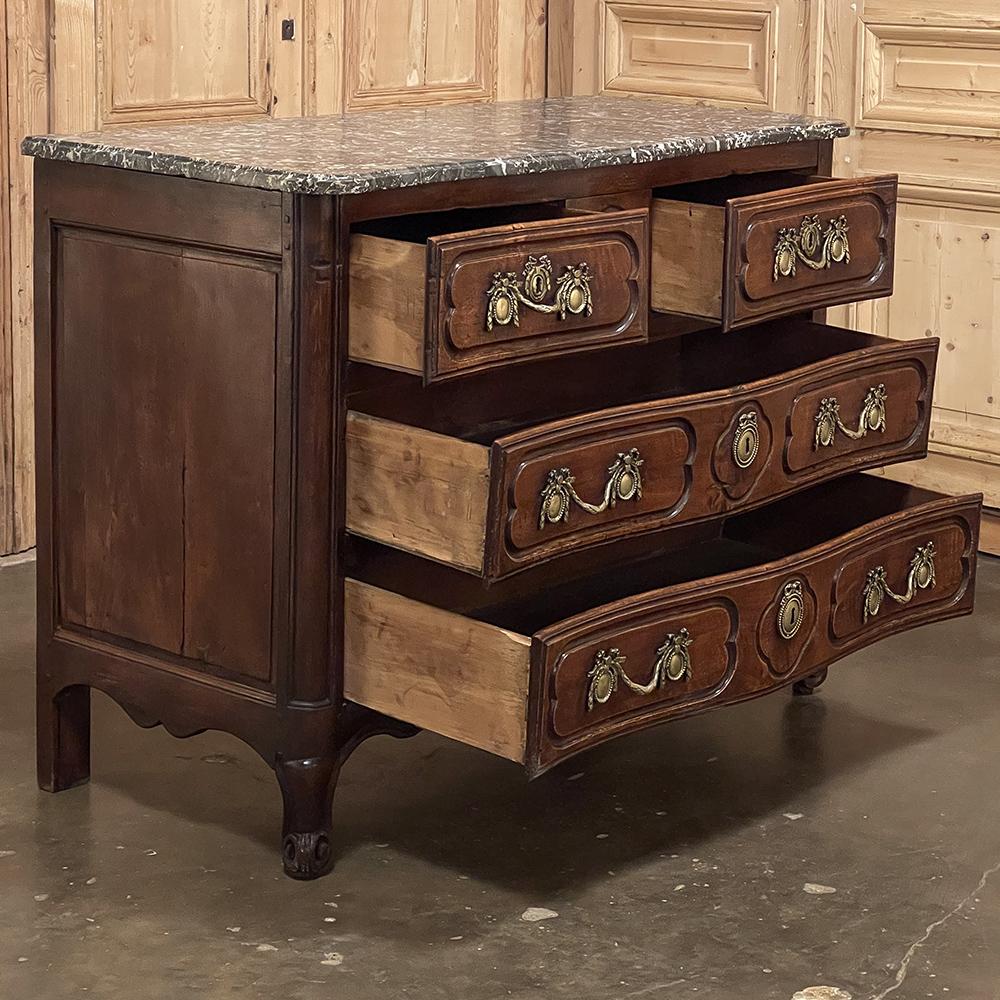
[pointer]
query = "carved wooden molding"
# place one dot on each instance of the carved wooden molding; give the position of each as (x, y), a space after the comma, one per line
(697, 51)
(905, 88)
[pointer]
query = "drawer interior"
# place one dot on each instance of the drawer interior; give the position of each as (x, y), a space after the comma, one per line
(490, 405)
(429, 645)
(742, 541)
(717, 191)
(443, 294)
(746, 248)
(421, 226)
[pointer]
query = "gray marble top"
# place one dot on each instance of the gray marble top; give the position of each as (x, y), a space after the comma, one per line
(376, 150)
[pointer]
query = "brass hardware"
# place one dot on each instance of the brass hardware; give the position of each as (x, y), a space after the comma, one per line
(791, 610)
(672, 663)
(828, 420)
(624, 483)
(746, 440)
(920, 577)
(814, 246)
(508, 291)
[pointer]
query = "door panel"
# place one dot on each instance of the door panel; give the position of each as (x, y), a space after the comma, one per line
(747, 53)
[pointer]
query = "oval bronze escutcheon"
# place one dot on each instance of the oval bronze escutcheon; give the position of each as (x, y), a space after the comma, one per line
(791, 610)
(746, 439)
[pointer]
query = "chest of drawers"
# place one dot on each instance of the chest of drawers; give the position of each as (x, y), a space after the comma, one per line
(517, 423)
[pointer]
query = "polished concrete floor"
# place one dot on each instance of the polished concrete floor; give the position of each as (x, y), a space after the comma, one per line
(845, 846)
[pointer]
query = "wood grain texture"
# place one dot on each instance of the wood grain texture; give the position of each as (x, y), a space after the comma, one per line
(682, 232)
(6, 326)
(750, 291)
(747, 228)
(149, 555)
(423, 309)
(27, 85)
(440, 671)
(737, 53)
(387, 302)
(611, 246)
(154, 63)
(416, 490)
(424, 484)
(832, 574)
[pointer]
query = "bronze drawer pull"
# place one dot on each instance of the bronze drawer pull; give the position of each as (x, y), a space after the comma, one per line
(814, 246)
(508, 292)
(920, 577)
(828, 420)
(673, 663)
(624, 483)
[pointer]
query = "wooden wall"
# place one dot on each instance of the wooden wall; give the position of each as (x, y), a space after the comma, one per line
(81, 65)
(919, 82)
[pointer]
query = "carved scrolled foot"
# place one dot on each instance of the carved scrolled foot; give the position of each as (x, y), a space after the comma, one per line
(808, 685)
(307, 788)
(307, 855)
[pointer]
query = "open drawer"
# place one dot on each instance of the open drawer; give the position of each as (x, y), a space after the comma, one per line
(430, 296)
(744, 249)
(536, 675)
(656, 437)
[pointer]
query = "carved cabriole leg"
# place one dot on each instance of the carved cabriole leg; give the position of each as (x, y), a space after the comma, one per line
(307, 789)
(808, 685)
(63, 735)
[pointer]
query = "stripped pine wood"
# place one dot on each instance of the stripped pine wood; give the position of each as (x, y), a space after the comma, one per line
(79, 65)
(918, 81)
(685, 231)
(436, 669)
(6, 320)
(28, 111)
(387, 302)
(417, 490)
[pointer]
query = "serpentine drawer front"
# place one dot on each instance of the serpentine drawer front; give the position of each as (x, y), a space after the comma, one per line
(464, 301)
(876, 557)
(741, 260)
(685, 455)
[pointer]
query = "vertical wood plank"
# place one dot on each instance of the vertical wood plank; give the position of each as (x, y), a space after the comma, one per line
(6, 328)
(324, 73)
(560, 43)
(228, 393)
(27, 86)
(121, 539)
(74, 65)
(520, 41)
(287, 59)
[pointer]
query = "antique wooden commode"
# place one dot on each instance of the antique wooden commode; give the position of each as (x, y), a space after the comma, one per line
(517, 423)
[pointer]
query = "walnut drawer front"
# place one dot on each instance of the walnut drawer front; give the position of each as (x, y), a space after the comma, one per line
(774, 253)
(462, 302)
(495, 508)
(877, 557)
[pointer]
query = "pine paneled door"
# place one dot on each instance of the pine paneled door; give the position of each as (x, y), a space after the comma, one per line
(76, 65)
(919, 82)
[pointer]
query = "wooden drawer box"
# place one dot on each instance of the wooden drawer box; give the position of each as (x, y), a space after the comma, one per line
(443, 303)
(653, 440)
(742, 259)
(779, 595)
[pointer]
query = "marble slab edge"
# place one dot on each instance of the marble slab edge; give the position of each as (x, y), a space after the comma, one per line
(320, 183)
